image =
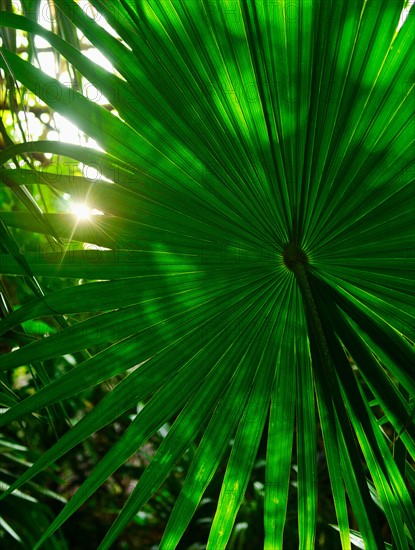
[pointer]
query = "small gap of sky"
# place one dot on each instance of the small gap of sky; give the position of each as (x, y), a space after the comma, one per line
(65, 129)
(405, 13)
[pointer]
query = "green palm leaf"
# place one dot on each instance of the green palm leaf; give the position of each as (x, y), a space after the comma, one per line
(258, 228)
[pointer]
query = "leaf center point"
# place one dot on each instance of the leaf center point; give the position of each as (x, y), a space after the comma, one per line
(293, 254)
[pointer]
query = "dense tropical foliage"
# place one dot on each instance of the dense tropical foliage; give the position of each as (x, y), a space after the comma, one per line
(246, 283)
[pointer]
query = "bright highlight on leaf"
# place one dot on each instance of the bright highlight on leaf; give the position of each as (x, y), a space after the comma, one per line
(257, 245)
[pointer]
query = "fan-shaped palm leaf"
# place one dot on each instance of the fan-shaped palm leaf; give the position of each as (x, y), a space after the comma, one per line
(259, 234)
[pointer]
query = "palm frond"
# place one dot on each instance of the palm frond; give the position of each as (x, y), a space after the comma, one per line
(256, 262)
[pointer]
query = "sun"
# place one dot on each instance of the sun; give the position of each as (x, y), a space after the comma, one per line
(82, 211)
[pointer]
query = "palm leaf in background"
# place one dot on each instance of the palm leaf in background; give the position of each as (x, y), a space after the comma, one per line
(258, 226)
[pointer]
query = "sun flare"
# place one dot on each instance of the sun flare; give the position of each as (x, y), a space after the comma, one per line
(81, 211)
